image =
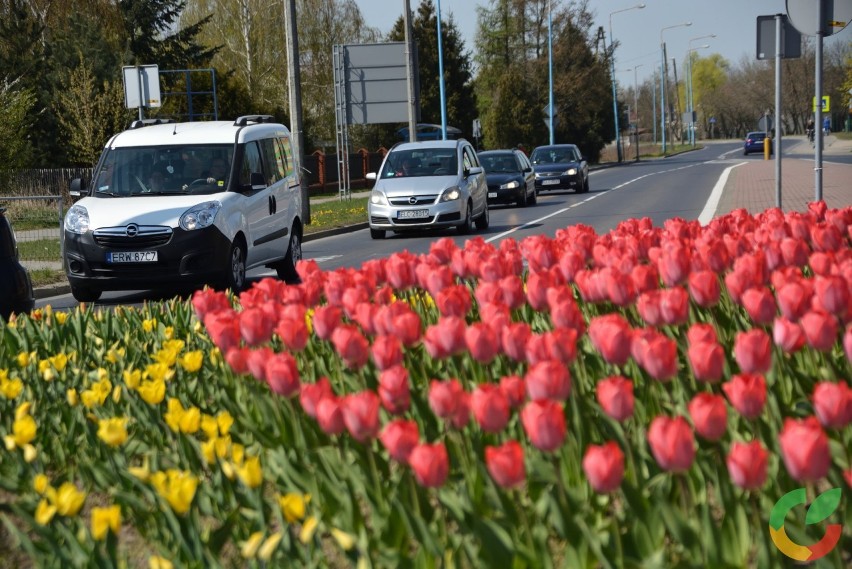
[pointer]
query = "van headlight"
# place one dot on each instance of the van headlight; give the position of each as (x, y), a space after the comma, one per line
(450, 194)
(510, 186)
(570, 172)
(378, 197)
(77, 219)
(200, 216)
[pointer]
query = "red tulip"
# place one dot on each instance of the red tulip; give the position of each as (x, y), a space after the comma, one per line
(293, 333)
(351, 345)
(537, 285)
(569, 263)
(282, 374)
(514, 340)
(325, 320)
(794, 251)
(700, 332)
(566, 314)
(615, 396)
(496, 317)
(490, 407)
(444, 397)
(709, 415)
(256, 362)
(707, 360)
(847, 475)
(515, 390)
(660, 358)
(442, 249)
(394, 390)
(673, 264)
(826, 237)
(461, 414)
(386, 352)
(544, 424)
(833, 294)
(648, 306)
(847, 343)
(353, 297)
(804, 448)
(619, 287)
(561, 344)
(436, 278)
(548, 380)
(430, 464)
(237, 359)
(364, 315)
(223, 327)
(330, 415)
(481, 342)
(505, 464)
(361, 415)
(820, 330)
(406, 326)
(445, 338)
(540, 252)
(788, 335)
(209, 301)
(604, 467)
(645, 278)
(400, 270)
(753, 351)
(747, 464)
(747, 393)
(704, 288)
(513, 291)
(488, 293)
(610, 334)
(400, 437)
(312, 393)
(672, 443)
(794, 299)
(453, 301)
(674, 306)
(833, 404)
(759, 304)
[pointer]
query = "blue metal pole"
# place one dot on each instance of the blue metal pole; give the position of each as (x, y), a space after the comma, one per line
(441, 77)
(663, 94)
(550, 70)
(654, 106)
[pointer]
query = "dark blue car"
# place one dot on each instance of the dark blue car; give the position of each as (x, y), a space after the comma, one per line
(509, 176)
(754, 143)
(560, 167)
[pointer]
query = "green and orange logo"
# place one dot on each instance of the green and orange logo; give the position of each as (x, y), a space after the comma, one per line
(824, 505)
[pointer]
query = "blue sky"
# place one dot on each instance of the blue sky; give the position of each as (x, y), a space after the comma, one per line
(733, 21)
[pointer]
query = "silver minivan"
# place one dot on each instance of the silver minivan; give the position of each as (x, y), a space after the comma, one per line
(425, 185)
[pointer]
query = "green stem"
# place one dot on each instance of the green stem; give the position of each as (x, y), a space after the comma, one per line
(519, 503)
(374, 474)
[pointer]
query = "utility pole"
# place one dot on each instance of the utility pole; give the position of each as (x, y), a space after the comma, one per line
(409, 62)
(294, 83)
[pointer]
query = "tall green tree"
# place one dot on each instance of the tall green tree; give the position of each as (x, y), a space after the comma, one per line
(15, 123)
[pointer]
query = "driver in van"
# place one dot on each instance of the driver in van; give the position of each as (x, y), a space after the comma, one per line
(217, 172)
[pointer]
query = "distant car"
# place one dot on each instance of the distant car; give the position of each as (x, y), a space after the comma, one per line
(424, 185)
(510, 177)
(16, 288)
(754, 143)
(426, 131)
(560, 167)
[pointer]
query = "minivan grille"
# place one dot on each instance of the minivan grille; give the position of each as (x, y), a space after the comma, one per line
(417, 200)
(133, 236)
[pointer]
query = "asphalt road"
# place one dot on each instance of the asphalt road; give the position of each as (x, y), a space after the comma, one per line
(660, 189)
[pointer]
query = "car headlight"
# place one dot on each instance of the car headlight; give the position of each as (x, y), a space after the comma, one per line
(510, 186)
(570, 172)
(77, 219)
(378, 198)
(200, 216)
(450, 194)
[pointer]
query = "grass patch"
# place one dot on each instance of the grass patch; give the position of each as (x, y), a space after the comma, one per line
(44, 277)
(843, 135)
(40, 250)
(337, 213)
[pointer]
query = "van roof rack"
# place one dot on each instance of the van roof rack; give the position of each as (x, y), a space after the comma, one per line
(139, 123)
(245, 119)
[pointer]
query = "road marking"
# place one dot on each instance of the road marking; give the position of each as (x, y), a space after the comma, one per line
(324, 259)
(709, 211)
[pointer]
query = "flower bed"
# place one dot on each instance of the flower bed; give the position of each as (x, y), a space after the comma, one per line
(639, 398)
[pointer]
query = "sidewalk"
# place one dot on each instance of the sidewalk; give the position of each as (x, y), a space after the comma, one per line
(752, 186)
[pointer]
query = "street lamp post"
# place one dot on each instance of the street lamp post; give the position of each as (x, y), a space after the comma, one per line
(663, 77)
(690, 100)
(636, 106)
(550, 109)
(612, 74)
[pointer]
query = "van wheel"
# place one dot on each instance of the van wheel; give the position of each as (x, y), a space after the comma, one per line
(235, 273)
(287, 268)
(377, 233)
(465, 227)
(85, 293)
(483, 220)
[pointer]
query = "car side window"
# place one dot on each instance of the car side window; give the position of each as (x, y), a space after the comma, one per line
(286, 153)
(467, 159)
(273, 165)
(251, 163)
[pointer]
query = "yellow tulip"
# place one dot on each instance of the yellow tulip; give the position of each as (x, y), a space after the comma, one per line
(152, 392)
(156, 562)
(174, 414)
(48, 374)
(23, 358)
(59, 361)
(69, 500)
(215, 356)
(132, 378)
(159, 372)
(346, 541)
(167, 357)
(114, 355)
(11, 388)
(30, 453)
(101, 374)
(306, 534)
(168, 332)
(223, 447)
(191, 361)
(23, 409)
(23, 430)
(71, 397)
(177, 487)
(41, 483)
(249, 547)
(44, 512)
(228, 470)
(43, 365)
(105, 519)
(250, 473)
(238, 453)
(209, 426)
(293, 506)
(113, 431)
(60, 317)
(148, 324)
(268, 548)
(309, 320)
(190, 421)
(89, 398)
(208, 451)
(140, 472)
(225, 421)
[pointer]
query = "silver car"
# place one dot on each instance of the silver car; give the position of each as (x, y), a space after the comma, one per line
(424, 185)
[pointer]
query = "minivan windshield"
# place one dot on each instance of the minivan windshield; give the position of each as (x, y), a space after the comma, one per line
(421, 162)
(163, 170)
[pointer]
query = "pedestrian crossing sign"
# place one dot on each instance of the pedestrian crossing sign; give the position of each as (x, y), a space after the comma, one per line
(826, 104)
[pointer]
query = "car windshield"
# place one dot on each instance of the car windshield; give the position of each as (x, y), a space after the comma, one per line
(554, 155)
(499, 163)
(757, 135)
(160, 170)
(420, 162)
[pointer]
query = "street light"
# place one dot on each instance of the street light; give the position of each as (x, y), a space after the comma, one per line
(636, 105)
(663, 79)
(612, 73)
(690, 101)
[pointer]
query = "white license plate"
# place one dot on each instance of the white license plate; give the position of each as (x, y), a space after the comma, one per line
(131, 257)
(412, 213)
(492, 194)
(549, 182)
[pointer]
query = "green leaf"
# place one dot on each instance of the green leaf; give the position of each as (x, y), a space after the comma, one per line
(824, 505)
(221, 536)
(497, 547)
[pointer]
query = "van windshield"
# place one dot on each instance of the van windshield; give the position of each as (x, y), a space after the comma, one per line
(164, 170)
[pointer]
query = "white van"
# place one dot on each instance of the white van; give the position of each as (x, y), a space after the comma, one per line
(186, 204)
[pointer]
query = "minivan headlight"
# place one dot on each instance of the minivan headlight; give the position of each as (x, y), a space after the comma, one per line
(570, 172)
(200, 216)
(377, 197)
(77, 219)
(450, 194)
(510, 186)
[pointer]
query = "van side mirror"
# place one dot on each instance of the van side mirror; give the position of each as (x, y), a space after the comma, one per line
(257, 181)
(78, 188)
(371, 176)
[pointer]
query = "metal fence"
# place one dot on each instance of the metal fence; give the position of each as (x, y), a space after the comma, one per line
(37, 221)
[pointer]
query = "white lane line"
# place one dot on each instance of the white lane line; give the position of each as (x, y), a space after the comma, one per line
(324, 259)
(709, 210)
